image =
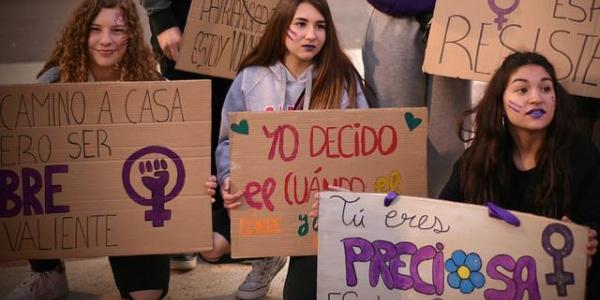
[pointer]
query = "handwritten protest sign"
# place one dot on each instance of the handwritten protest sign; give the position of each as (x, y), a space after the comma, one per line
(220, 33)
(95, 169)
(281, 159)
(420, 248)
(470, 40)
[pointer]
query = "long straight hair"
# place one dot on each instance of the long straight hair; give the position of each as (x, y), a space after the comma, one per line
(335, 72)
(487, 162)
(71, 52)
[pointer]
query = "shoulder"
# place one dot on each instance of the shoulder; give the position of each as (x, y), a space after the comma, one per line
(582, 151)
(249, 77)
(50, 76)
(583, 155)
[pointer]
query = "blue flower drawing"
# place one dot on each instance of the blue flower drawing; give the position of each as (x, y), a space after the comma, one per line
(464, 271)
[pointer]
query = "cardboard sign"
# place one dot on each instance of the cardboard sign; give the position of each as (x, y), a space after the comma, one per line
(281, 159)
(419, 248)
(95, 169)
(219, 34)
(470, 40)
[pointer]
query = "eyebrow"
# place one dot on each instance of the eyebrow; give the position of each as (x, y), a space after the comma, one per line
(112, 26)
(306, 20)
(525, 80)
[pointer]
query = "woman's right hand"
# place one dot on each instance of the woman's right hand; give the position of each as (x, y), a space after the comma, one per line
(314, 212)
(211, 187)
(230, 200)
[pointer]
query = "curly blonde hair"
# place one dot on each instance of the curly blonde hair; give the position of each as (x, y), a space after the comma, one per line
(71, 53)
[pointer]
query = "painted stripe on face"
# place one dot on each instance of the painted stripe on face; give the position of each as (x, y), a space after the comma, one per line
(292, 35)
(514, 106)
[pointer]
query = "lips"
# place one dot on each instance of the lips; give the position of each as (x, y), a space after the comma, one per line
(536, 113)
(105, 51)
(309, 47)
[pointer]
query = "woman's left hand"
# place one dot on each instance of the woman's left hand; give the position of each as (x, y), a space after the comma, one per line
(592, 244)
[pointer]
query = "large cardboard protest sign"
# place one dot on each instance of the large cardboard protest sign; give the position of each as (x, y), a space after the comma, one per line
(419, 248)
(281, 159)
(220, 33)
(95, 169)
(470, 40)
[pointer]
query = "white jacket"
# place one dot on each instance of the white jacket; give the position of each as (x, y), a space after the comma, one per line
(271, 88)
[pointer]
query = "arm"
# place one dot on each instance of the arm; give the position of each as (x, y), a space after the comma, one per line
(585, 182)
(399, 8)
(163, 24)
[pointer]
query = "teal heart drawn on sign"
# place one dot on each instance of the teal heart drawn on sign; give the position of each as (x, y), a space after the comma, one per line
(411, 121)
(241, 128)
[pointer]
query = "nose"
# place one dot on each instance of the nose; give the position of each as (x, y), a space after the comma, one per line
(536, 96)
(310, 33)
(105, 38)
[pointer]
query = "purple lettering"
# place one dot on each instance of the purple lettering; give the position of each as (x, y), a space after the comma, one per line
(52, 189)
(10, 183)
(365, 254)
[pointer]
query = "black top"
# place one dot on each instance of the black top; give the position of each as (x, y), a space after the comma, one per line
(584, 178)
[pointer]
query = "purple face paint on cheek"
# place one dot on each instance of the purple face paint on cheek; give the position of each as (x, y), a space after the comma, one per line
(292, 35)
(514, 106)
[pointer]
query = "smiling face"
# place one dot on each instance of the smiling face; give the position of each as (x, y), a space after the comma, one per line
(529, 99)
(107, 40)
(305, 36)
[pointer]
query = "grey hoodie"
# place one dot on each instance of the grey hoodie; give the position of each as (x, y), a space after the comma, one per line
(271, 88)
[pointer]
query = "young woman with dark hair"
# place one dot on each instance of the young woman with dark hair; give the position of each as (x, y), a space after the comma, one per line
(523, 154)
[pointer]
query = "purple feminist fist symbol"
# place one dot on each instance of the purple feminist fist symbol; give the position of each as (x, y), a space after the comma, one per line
(155, 176)
(501, 12)
(560, 278)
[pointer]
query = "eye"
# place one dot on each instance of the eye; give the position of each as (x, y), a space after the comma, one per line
(95, 29)
(547, 89)
(321, 26)
(521, 90)
(300, 24)
(118, 30)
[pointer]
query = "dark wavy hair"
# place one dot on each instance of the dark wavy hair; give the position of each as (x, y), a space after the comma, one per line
(71, 53)
(335, 72)
(486, 163)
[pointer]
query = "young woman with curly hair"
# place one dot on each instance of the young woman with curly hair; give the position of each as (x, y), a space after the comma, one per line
(102, 41)
(524, 154)
(73, 54)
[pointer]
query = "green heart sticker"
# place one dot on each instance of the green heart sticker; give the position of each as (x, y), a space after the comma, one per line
(241, 128)
(411, 121)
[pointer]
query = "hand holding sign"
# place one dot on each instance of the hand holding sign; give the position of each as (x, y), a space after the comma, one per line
(211, 187)
(314, 212)
(230, 200)
(592, 244)
(169, 42)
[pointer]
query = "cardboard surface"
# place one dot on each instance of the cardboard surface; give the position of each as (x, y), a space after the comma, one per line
(96, 169)
(416, 249)
(281, 159)
(470, 40)
(219, 34)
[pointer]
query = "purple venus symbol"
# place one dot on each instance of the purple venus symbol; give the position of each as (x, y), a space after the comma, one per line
(155, 176)
(501, 12)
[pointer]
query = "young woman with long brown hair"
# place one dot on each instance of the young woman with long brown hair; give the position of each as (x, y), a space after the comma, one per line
(524, 155)
(102, 41)
(298, 64)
